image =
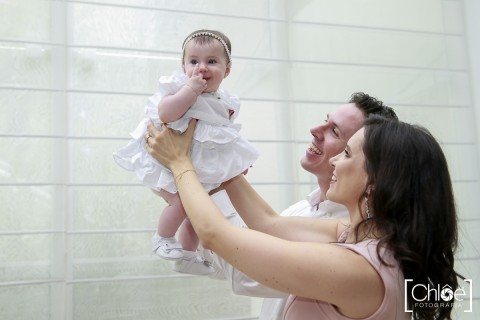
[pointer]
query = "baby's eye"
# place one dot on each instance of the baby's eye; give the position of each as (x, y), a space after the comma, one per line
(212, 61)
(193, 61)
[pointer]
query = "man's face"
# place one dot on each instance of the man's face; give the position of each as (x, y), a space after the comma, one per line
(330, 138)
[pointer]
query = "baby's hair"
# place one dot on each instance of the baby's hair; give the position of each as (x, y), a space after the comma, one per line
(205, 36)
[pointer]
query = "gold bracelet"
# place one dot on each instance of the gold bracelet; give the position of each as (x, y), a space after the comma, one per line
(192, 89)
(180, 175)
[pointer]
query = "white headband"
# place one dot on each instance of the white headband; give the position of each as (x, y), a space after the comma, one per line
(208, 34)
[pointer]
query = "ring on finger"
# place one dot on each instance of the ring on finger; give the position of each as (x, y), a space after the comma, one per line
(146, 136)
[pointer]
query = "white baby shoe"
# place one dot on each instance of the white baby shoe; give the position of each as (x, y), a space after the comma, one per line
(167, 248)
(193, 263)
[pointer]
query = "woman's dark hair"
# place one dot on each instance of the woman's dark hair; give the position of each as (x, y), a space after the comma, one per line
(413, 207)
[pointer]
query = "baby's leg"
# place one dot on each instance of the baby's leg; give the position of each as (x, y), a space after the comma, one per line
(172, 216)
(164, 243)
(192, 262)
(188, 238)
(170, 222)
(188, 260)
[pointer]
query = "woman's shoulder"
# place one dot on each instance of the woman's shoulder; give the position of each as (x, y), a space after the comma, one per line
(379, 256)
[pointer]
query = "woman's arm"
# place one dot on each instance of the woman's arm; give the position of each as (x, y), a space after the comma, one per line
(258, 215)
(319, 271)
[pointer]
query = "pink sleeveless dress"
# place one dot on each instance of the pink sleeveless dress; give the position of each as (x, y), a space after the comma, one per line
(392, 307)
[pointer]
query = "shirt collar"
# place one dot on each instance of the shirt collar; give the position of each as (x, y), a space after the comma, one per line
(314, 200)
(314, 197)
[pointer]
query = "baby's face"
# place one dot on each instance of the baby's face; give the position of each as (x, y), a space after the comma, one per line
(211, 60)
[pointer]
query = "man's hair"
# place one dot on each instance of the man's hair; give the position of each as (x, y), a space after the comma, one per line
(371, 105)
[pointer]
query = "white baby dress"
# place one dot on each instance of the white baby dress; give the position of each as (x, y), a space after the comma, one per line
(218, 153)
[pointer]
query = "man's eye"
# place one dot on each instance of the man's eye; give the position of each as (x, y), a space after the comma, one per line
(335, 132)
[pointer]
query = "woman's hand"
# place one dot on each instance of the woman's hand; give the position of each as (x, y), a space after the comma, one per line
(169, 148)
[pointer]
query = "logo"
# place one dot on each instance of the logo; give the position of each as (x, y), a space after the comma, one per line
(439, 296)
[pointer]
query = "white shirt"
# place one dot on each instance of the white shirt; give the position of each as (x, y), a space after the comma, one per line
(272, 308)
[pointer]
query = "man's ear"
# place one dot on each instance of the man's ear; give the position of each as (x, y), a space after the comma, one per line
(227, 69)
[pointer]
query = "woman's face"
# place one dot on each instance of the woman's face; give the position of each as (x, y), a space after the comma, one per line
(349, 176)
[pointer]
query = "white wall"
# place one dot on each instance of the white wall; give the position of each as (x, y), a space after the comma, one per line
(74, 76)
